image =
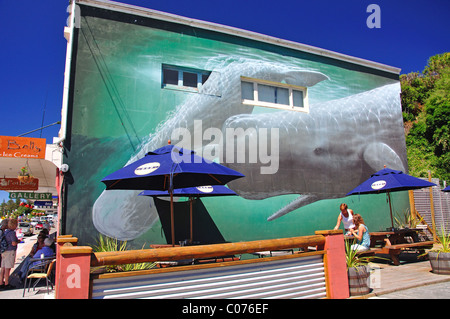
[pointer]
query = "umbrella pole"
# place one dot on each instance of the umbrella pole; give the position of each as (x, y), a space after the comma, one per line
(190, 218)
(172, 223)
(390, 208)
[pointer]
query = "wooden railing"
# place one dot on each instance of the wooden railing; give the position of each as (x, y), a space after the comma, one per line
(74, 262)
(203, 251)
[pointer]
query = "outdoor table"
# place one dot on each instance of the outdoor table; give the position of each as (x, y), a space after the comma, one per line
(400, 236)
(378, 238)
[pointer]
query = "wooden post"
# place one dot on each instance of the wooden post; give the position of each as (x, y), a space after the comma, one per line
(432, 207)
(335, 263)
(412, 205)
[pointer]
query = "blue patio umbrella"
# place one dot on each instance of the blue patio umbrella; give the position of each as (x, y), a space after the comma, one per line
(169, 168)
(192, 192)
(447, 189)
(388, 180)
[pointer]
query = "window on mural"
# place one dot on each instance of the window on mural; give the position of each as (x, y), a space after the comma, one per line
(274, 95)
(183, 78)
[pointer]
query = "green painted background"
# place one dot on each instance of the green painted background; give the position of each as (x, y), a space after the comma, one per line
(117, 101)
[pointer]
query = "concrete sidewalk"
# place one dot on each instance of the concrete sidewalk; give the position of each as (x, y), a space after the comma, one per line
(412, 273)
(23, 250)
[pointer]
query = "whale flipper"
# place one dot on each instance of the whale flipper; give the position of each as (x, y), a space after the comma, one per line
(300, 201)
(376, 155)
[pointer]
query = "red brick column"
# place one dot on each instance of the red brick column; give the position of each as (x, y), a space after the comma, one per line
(73, 267)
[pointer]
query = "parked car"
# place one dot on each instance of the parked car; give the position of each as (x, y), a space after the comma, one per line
(34, 221)
(39, 226)
(27, 228)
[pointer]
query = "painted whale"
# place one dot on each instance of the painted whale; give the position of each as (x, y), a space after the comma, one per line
(124, 215)
(327, 152)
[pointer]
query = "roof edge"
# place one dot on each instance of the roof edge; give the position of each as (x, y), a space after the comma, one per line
(169, 17)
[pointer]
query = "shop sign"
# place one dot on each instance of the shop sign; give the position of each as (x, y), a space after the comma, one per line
(13, 184)
(39, 203)
(31, 196)
(22, 147)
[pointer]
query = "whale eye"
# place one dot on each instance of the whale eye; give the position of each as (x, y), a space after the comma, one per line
(319, 151)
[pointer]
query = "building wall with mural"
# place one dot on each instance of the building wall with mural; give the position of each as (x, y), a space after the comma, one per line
(304, 129)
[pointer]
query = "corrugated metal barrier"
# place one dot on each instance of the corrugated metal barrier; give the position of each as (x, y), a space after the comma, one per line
(294, 277)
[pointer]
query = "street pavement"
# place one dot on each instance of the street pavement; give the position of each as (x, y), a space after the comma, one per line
(23, 249)
(436, 291)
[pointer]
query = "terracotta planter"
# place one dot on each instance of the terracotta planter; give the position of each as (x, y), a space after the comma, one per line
(358, 280)
(440, 262)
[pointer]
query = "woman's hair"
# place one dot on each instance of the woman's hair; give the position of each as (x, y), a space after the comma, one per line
(343, 206)
(357, 219)
(12, 223)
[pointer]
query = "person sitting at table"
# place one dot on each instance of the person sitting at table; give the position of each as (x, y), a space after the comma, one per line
(345, 216)
(45, 251)
(361, 234)
(38, 245)
(36, 252)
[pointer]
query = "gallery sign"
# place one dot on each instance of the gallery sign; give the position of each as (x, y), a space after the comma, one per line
(13, 184)
(31, 196)
(22, 147)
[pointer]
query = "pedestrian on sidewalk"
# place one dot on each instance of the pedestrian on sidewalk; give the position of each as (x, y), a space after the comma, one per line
(9, 255)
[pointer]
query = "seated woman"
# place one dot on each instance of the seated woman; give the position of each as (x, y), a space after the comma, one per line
(42, 246)
(361, 234)
(45, 251)
(38, 245)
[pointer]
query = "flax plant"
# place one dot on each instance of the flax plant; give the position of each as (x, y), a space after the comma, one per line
(355, 260)
(444, 240)
(106, 244)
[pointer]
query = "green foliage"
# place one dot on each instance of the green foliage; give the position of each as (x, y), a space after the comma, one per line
(444, 240)
(353, 258)
(108, 244)
(426, 114)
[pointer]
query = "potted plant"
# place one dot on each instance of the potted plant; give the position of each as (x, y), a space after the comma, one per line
(24, 175)
(357, 270)
(440, 257)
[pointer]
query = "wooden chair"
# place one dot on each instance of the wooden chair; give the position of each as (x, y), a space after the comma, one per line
(46, 268)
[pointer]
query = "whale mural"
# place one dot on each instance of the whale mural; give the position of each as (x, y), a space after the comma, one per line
(120, 107)
(123, 214)
(322, 154)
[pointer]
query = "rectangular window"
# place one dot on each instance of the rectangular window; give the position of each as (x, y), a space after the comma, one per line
(186, 79)
(275, 95)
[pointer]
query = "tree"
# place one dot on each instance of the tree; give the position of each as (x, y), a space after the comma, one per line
(426, 113)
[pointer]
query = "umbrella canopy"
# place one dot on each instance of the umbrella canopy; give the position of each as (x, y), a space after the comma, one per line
(169, 168)
(447, 189)
(191, 192)
(388, 180)
(170, 165)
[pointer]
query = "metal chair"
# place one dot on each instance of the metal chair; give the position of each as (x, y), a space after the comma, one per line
(41, 270)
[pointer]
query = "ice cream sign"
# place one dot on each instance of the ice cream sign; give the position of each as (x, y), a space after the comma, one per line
(22, 147)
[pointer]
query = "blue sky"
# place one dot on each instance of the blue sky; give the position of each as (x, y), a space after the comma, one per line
(32, 46)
